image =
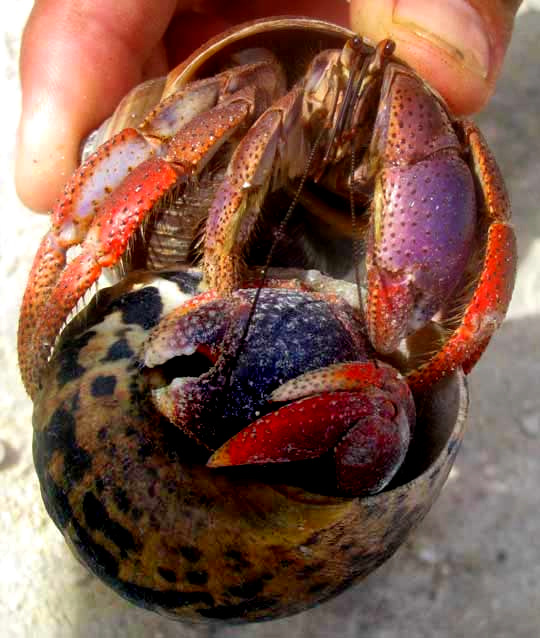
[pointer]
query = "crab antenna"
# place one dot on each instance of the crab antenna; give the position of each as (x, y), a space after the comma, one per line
(264, 272)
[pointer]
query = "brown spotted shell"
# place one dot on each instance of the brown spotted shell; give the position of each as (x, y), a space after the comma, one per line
(170, 535)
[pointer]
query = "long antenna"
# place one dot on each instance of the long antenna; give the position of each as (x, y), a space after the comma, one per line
(264, 272)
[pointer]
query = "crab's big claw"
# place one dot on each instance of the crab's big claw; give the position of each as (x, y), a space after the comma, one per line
(415, 263)
(362, 426)
(211, 380)
(428, 253)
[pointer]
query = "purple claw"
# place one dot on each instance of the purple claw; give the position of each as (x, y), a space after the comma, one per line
(424, 213)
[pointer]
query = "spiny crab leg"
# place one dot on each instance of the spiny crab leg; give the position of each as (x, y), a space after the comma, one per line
(361, 424)
(487, 307)
(237, 203)
(103, 221)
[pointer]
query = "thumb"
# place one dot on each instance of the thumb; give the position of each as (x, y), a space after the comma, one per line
(458, 46)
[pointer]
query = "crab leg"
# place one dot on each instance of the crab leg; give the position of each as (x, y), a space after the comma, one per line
(104, 221)
(237, 203)
(75, 210)
(492, 294)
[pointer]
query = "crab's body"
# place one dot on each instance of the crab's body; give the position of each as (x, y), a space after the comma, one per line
(258, 372)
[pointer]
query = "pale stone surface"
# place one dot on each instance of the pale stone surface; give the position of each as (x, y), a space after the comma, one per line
(471, 569)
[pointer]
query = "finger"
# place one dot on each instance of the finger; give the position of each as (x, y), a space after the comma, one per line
(77, 61)
(458, 46)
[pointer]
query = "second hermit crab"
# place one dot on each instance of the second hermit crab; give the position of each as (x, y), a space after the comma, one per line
(285, 144)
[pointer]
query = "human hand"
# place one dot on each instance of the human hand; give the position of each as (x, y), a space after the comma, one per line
(79, 59)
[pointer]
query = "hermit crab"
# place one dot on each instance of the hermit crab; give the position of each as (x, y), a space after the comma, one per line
(311, 250)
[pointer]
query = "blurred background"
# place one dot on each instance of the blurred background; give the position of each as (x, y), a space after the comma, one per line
(471, 569)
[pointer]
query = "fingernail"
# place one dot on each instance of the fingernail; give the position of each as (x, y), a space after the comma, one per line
(453, 25)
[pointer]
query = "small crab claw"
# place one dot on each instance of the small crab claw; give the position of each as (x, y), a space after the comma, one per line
(423, 211)
(363, 420)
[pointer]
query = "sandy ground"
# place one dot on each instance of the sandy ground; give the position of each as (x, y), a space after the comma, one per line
(471, 569)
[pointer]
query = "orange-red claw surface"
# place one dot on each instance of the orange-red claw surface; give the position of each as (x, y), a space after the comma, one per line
(360, 414)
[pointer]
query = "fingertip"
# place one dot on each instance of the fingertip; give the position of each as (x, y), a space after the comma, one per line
(456, 46)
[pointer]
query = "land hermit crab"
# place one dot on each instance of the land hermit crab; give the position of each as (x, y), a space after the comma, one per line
(224, 434)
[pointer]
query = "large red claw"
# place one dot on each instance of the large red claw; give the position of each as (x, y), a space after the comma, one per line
(302, 430)
(355, 376)
(368, 437)
(367, 432)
